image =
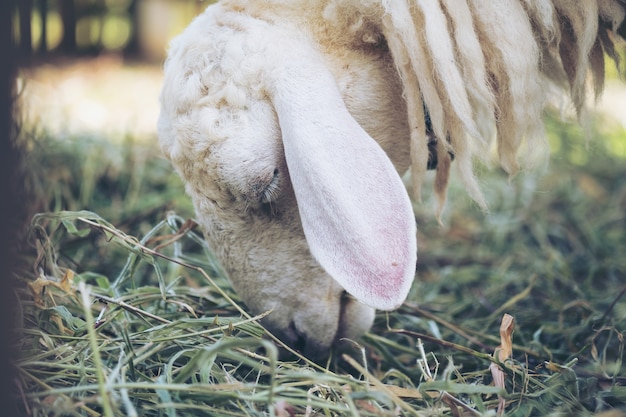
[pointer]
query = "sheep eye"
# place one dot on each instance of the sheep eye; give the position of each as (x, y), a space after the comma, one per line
(270, 193)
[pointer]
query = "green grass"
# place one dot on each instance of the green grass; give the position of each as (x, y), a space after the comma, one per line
(141, 322)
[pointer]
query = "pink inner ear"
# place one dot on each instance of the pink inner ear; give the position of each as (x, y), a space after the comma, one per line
(355, 211)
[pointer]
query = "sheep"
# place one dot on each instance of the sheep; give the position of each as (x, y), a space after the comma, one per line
(291, 123)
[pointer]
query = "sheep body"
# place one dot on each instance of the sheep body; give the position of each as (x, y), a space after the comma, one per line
(285, 120)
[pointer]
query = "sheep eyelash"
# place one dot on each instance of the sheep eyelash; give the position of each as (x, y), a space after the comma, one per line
(270, 193)
(262, 194)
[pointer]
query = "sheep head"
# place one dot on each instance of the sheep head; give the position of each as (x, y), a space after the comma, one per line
(304, 209)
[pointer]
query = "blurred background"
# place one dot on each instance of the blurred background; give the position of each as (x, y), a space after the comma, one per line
(88, 88)
(137, 29)
(94, 65)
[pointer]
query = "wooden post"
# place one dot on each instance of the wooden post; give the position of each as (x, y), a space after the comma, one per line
(67, 9)
(43, 14)
(11, 204)
(25, 11)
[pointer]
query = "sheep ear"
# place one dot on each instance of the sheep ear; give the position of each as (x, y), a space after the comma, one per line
(355, 211)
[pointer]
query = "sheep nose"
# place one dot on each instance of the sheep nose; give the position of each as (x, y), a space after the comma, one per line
(305, 344)
(299, 338)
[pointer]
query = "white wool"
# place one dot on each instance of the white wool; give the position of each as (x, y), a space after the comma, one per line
(512, 58)
(399, 24)
(477, 65)
(543, 14)
(472, 60)
(439, 42)
(612, 12)
(275, 112)
(580, 22)
(416, 116)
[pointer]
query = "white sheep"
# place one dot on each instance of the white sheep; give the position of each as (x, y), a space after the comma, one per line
(291, 121)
